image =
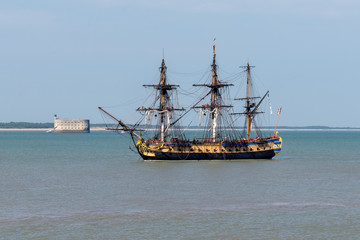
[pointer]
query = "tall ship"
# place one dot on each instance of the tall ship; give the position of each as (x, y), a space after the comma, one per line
(159, 135)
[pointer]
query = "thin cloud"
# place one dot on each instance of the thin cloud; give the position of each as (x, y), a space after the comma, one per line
(323, 8)
(24, 19)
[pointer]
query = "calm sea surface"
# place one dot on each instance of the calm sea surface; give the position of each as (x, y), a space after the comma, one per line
(91, 186)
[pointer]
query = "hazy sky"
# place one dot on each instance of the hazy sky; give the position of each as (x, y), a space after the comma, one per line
(70, 56)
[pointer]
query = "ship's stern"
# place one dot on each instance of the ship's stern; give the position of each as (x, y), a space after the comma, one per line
(277, 146)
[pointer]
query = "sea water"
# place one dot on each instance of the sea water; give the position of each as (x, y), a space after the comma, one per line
(92, 186)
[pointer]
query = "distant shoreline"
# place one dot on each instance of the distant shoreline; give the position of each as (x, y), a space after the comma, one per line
(42, 129)
(95, 129)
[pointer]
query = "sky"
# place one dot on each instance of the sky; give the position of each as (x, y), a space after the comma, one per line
(68, 57)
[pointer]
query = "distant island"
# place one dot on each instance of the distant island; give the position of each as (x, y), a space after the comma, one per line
(30, 125)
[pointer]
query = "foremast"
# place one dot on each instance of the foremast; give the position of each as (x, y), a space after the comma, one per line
(163, 98)
(164, 107)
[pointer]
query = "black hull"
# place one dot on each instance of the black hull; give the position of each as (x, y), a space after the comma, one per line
(211, 156)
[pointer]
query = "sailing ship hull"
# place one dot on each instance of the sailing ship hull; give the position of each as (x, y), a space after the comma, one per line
(254, 150)
(210, 156)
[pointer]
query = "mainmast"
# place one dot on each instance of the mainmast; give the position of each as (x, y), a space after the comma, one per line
(215, 104)
(163, 98)
(214, 93)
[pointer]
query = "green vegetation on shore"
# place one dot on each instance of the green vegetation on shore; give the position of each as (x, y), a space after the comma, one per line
(26, 125)
(22, 125)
